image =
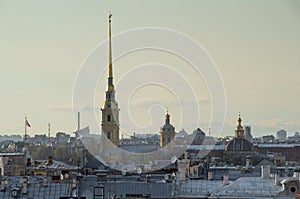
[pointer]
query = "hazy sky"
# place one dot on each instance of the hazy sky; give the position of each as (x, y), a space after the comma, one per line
(254, 43)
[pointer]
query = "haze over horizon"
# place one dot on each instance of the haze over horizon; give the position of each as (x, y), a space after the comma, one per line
(255, 45)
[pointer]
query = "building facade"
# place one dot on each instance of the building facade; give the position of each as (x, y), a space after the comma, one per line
(281, 135)
(12, 164)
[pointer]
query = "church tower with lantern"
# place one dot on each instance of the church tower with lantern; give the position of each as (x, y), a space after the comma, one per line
(239, 142)
(240, 132)
(167, 132)
(110, 110)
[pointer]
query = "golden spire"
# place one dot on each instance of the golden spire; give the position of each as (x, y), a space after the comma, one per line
(109, 47)
(167, 118)
(239, 126)
(110, 70)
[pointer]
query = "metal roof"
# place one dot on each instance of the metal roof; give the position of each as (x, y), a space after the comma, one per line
(35, 188)
(12, 154)
(250, 186)
(206, 147)
(278, 145)
(44, 164)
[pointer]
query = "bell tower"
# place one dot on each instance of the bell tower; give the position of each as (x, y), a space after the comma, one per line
(110, 110)
(167, 132)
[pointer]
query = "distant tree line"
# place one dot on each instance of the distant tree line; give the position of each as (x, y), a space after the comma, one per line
(60, 153)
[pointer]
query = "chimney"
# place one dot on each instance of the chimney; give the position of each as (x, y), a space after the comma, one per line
(225, 179)
(28, 162)
(248, 162)
(276, 179)
(297, 173)
(181, 169)
(186, 155)
(50, 160)
(265, 171)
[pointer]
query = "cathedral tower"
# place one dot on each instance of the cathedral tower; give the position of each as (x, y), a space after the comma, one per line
(110, 110)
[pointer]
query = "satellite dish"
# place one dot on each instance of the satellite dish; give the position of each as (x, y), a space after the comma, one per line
(166, 177)
(139, 170)
(173, 159)
(124, 173)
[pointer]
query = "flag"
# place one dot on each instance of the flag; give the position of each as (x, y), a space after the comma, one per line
(27, 123)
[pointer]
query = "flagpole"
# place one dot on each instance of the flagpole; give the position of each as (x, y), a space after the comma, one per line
(25, 130)
(25, 136)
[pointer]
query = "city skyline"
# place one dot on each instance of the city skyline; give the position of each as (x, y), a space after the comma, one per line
(255, 53)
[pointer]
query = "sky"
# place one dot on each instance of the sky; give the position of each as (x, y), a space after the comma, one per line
(254, 44)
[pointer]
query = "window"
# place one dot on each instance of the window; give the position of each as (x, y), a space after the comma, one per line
(169, 139)
(163, 139)
(108, 135)
(108, 118)
(9, 162)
